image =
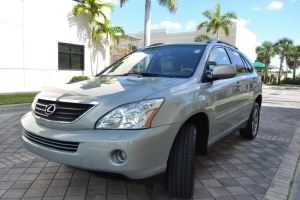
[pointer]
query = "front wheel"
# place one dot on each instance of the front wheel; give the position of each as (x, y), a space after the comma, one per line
(251, 130)
(181, 163)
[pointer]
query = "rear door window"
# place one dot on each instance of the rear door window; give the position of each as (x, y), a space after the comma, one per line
(237, 61)
(248, 66)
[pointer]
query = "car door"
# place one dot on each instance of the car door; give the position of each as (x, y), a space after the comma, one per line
(224, 96)
(244, 83)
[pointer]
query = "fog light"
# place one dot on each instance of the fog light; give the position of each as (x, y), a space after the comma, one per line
(119, 156)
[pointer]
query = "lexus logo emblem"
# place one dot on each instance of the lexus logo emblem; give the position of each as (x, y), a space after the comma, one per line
(50, 109)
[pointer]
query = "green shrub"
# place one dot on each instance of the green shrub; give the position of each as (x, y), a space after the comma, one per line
(286, 80)
(78, 78)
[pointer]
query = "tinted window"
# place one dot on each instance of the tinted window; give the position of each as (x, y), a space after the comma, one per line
(177, 61)
(219, 56)
(248, 66)
(237, 62)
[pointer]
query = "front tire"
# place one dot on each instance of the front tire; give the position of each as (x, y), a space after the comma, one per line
(181, 163)
(251, 130)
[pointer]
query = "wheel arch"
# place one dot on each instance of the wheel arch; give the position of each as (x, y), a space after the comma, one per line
(259, 100)
(201, 121)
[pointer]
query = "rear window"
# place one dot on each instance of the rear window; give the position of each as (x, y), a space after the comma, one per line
(173, 60)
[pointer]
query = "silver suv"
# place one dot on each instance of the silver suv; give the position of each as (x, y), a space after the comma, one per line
(149, 113)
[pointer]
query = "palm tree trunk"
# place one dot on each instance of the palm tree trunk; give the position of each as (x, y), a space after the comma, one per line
(90, 44)
(280, 68)
(147, 23)
(286, 62)
(295, 66)
(266, 72)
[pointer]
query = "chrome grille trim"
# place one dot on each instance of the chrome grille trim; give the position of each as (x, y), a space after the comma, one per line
(60, 145)
(67, 112)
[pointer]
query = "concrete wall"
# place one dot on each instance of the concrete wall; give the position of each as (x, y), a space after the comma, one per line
(239, 36)
(29, 37)
(246, 41)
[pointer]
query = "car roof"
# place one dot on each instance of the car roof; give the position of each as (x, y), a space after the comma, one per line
(212, 41)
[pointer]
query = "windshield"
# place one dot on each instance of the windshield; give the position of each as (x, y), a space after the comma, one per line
(171, 61)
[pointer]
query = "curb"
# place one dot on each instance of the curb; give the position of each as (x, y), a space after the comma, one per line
(6, 109)
(280, 87)
(280, 185)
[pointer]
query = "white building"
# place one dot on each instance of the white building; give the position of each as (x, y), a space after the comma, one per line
(239, 36)
(43, 43)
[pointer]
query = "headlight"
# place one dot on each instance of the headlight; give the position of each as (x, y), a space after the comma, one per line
(130, 116)
(33, 104)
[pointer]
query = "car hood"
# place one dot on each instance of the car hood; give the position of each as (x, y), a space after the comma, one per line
(122, 89)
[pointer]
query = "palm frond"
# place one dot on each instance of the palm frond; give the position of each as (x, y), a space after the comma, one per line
(208, 14)
(170, 4)
(226, 29)
(230, 15)
(123, 2)
(216, 20)
(78, 9)
(105, 27)
(202, 25)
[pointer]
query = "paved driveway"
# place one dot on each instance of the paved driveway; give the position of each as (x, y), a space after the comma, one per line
(236, 169)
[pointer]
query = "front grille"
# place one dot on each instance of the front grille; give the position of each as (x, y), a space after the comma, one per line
(65, 112)
(56, 144)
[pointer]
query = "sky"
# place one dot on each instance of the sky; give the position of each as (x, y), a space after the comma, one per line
(269, 20)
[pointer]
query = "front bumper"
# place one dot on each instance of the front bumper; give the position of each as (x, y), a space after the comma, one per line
(147, 149)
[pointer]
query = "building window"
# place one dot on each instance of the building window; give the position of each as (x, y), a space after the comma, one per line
(70, 56)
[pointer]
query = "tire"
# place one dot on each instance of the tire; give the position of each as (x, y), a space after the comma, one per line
(251, 130)
(181, 163)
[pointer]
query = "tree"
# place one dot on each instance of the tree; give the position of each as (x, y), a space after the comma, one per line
(217, 21)
(100, 28)
(95, 10)
(266, 51)
(170, 4)
(283, 44)
(201, 38)
(131, 47)
(293, 54)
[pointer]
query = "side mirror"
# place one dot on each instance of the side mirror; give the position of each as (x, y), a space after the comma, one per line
(223, 71)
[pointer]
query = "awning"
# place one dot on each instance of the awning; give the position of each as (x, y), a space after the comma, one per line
(260, 65)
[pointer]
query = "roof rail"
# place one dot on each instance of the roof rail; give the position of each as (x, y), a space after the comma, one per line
(155, 44)
(222, 42)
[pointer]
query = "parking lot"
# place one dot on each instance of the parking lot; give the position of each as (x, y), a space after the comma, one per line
(235, 169)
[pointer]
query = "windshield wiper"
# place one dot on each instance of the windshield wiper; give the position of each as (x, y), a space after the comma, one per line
(148, 74)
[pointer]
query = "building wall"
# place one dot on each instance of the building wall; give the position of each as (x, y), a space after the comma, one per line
(29, 39)
(239, 36)
(246, 42)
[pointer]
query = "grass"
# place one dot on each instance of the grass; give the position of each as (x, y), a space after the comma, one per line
(273, 84)
(292, 182)
(17, 98)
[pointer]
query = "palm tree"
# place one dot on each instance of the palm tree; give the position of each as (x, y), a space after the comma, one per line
(201, 38)
(100, 28)
(294, 54)
(216, 21)
(266, 51)
(170, 4)
(94, 9)
(283, 44)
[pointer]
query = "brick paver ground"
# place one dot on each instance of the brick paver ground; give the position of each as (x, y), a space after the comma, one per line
(236, 169)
